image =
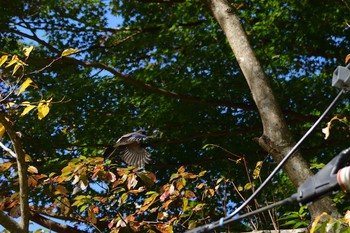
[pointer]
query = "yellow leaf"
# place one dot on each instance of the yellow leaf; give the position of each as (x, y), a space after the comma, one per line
(317, 219)
(24, 85)
(3, 59)
(248, 186)
(32, 169)
(10, 104)
(123, 198)
(28, 158)
(347, 217)
(256, 172)
(2, 130)
(27, 109)
(27, 50)
(16, 68)
(202, 173)
(70, 51)
(13, 61)
(43, 110)
(25, 103)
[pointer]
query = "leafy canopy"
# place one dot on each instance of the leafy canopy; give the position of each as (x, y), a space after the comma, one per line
(76, 75)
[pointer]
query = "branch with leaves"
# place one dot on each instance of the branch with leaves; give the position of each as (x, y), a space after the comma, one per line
(15, 139)
(22, 174)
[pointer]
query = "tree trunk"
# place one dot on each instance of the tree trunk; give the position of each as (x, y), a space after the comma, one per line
(276, 138)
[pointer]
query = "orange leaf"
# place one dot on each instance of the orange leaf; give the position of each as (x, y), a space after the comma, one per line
(211, 192)
(136, 191)
(96, 171)
(61, 189)
(164, 228)
(12, 204)
(347, 58)
(5, 166)
(180, 183)
(167, 203)
(181, 169)
(147, 177)
(200, 185)
(189, 194)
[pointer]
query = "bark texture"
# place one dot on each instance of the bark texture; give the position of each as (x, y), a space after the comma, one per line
(276, 138)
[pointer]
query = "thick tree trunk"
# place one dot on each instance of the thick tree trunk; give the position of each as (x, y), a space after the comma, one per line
(276, 139)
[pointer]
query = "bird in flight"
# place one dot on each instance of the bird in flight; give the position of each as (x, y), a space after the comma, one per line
(130, 150)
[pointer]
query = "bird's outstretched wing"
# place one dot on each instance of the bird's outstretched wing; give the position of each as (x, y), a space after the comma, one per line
(131, 151)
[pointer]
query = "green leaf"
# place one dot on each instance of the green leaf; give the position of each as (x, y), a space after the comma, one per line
(184, 204)
(123, 199)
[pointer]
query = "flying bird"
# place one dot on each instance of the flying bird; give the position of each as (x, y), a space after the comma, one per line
(130, 150)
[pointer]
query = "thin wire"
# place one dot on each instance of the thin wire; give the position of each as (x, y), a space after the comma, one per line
(262, 209)
(226, 219)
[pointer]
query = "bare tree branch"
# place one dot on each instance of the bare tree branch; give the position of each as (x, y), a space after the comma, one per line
(34, 38)
(22, 173)
(10, 224)
(160, 91)
(52, 225)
